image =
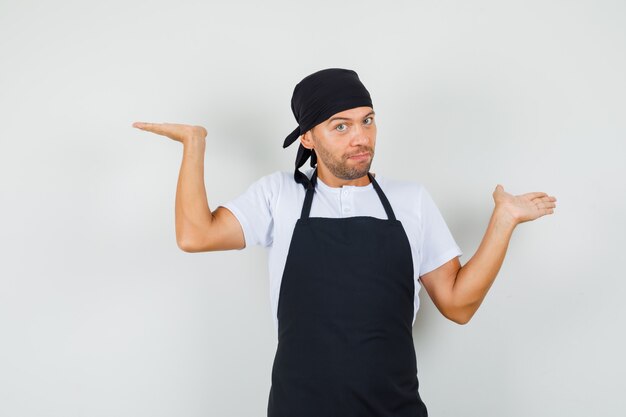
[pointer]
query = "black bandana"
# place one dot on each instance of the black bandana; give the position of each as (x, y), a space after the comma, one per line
(315, 99)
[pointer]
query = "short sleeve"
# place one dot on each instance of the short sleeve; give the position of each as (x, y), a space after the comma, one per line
(438, 245)
(254, 210)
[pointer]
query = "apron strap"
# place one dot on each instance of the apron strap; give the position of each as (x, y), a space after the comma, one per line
(383, 198)
(308, 199)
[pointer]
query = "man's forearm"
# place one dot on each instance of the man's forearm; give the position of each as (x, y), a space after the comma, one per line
(192, 210)
(474, 279)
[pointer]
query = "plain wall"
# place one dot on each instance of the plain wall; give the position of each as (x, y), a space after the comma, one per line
(101, 314)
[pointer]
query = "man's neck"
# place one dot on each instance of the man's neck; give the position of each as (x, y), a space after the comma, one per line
(332, 181)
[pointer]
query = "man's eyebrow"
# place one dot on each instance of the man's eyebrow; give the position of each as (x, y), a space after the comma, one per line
(372, 113)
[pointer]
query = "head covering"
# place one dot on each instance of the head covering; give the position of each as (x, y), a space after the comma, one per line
(315, 99)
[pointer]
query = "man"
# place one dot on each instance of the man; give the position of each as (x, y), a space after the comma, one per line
(348, 251)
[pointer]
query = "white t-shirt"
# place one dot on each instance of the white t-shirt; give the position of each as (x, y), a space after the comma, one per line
(269, 208)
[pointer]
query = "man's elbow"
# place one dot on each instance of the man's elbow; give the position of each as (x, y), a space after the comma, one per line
(460, 316)
(186, 246)
(460, 319)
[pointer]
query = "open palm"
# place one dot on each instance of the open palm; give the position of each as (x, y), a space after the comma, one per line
(524, 207)
(175, 131)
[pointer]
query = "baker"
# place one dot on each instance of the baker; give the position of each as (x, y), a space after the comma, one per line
(347, 253)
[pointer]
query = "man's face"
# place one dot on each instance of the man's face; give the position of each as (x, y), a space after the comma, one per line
(338, 140)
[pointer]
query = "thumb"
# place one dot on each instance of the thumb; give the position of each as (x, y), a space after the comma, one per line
(499, 189)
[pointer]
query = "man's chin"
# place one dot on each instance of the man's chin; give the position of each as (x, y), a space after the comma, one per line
(355, 174)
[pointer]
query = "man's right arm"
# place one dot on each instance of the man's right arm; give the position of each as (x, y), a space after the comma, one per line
(198, 229)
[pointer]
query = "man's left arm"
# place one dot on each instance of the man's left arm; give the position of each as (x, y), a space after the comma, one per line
(457, 291)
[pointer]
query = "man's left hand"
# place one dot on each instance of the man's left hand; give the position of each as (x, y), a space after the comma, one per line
(524, 207)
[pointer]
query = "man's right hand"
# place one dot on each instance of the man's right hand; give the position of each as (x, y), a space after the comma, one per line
(178, 132)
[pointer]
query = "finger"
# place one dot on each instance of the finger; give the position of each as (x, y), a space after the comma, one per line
(150, 127)
(549, 198)
(545, 205)
(141, 125)
(534, 195)
(546, 199)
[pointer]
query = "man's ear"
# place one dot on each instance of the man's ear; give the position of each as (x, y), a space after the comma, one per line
(305, 140)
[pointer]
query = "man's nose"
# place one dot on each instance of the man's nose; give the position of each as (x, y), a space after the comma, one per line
(359, 135)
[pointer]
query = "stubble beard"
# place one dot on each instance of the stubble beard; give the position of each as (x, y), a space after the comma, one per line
(345, 169)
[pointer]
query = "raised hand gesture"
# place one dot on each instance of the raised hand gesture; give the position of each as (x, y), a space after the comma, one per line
(524, 207)
(175, 131)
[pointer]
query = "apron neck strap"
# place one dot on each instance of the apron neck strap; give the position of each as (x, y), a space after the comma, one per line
(308, 199)
(383, 198)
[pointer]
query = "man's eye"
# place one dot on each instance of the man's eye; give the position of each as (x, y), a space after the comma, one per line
(371, 120)
(341, 130)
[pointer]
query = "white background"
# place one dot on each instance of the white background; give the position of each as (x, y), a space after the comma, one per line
(102, 315)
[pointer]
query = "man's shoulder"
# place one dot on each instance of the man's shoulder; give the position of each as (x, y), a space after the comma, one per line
(395, 185)
(275, 177)
(278, 181)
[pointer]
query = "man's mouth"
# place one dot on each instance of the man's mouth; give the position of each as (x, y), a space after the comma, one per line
(360, 155)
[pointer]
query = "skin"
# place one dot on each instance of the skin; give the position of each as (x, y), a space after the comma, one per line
(457, 291)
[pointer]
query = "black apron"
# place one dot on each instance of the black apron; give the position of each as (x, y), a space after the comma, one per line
(345, 311)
